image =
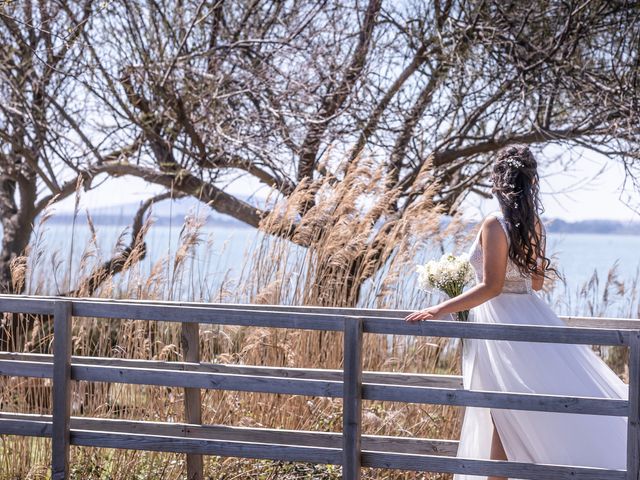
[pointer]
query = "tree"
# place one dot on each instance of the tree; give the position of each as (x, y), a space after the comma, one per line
(190, 94)
(36, 71)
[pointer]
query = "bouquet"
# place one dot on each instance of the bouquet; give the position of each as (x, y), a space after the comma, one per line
(450, 275)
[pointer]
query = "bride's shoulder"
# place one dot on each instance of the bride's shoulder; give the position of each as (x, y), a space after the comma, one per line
(495, 218)
(487, 219)
(490, 221)
(495, 221)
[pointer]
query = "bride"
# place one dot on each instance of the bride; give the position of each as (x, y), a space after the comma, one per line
(508, 256)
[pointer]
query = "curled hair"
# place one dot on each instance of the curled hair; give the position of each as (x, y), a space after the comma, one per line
(516, 185)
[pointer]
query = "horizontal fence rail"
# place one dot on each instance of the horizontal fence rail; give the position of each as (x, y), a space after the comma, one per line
(351, 449)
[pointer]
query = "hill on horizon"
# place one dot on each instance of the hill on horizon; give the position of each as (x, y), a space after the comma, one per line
(169, 212)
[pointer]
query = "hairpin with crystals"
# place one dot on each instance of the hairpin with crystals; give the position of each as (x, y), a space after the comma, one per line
(515, 162)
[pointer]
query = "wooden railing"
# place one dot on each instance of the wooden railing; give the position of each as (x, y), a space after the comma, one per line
(351, 448)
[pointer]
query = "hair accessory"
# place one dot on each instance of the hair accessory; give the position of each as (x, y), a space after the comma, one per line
(515, 205)
(515, 163)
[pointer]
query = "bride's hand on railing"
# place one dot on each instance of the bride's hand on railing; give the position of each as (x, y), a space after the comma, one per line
(430, 313)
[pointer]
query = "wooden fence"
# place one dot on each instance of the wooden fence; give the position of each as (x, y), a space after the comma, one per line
(351, 448)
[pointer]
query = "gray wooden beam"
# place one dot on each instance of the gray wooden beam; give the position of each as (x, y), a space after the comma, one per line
(190, 340)
(44, 304)
(206, 380)
(274, 444)
(633, 425)
(468, 466)
(330, 320)
(352, 399)
(224, 448)
(61, 390)
(501, 331)
(40, 426)
(396, 387)
(507, 400)
(39, 365)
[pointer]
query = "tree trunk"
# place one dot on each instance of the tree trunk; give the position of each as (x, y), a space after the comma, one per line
(17, 226)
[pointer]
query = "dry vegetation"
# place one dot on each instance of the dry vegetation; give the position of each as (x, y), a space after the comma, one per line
(275, 271)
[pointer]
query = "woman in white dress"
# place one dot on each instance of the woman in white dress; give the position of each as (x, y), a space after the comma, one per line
(508, 256)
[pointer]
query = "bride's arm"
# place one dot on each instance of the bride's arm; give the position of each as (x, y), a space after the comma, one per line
(494, 266)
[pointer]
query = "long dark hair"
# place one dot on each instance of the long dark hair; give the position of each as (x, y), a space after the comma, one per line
(516, 185)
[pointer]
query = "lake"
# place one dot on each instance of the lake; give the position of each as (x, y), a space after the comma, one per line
(222, 248)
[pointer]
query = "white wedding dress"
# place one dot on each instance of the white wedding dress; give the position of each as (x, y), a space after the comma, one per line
(538, 368)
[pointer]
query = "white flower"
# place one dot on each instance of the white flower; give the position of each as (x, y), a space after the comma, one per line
(449, 274)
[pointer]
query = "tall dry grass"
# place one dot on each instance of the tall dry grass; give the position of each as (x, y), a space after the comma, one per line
(349, 240)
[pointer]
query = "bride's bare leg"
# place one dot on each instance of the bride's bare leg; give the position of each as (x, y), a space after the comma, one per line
(497, 450)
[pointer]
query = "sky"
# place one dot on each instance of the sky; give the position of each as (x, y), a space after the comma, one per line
(589, 189)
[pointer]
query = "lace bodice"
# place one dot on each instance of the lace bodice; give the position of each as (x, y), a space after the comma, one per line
(514, 281)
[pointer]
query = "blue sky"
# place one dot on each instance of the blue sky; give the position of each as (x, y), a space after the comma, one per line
(589, 189)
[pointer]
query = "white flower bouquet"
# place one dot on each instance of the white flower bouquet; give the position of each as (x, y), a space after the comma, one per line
(450, 275)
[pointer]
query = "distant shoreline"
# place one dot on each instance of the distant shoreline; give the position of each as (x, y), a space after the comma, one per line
(124, 220)
(604, 227)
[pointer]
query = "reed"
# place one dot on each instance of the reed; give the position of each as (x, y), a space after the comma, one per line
(343, 247)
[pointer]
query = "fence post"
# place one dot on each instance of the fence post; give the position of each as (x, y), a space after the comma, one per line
(633, 426)
(190, 339)
(352, 398)
(60, 436)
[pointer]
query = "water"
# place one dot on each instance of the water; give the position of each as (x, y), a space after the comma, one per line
(579, 254)
(222, 248)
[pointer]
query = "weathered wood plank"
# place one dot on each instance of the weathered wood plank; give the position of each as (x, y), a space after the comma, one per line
(211, 381)
(61, 390)
(352, 398)
(395, 378)
(513, 401)
(224, 306)
(276, 451)
(489, 331)
(259, 318)
(27, 427)
(307, 383)
(223, 448)
(40, 425)
(21, 368)
(160, 441)
(633, 425)
(31, 305)
(317, 321)
(299, 319)
(601, 322)
(190, 340)
(574, 321)
(431, 463)
(46, 306)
